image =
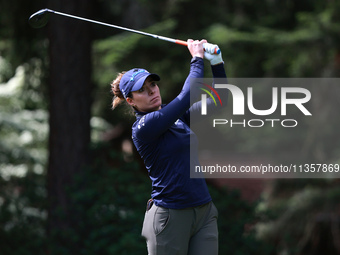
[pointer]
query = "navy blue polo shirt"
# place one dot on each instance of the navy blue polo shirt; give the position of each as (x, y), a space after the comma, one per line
(163, 139)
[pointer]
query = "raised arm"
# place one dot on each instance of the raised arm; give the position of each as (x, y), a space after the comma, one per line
(154, 124)
(220, 77)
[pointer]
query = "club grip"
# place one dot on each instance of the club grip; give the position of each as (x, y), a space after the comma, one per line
(181, 42)
(184, 43)
(211, 50)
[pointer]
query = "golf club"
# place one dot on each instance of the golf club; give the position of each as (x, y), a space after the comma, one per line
(40, 19)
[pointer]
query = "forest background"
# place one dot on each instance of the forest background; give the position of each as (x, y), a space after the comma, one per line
(70, 180)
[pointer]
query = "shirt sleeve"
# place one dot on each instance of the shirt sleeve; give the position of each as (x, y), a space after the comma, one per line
(153, 124)
(218, 71)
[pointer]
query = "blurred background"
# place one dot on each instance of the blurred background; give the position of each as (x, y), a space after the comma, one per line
(70, 179)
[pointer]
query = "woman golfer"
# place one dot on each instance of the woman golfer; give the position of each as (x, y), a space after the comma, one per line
(181, 218)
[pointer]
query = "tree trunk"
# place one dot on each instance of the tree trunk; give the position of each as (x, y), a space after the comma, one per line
(70, 112)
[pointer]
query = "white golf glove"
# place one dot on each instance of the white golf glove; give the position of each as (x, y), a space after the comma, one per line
(209, 55)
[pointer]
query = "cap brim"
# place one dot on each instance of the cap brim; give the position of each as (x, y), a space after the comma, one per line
(139, 84)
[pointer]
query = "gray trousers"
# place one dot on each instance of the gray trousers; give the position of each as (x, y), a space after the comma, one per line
(190, 231)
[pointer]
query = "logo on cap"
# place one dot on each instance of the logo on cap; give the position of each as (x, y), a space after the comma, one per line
(136, 73)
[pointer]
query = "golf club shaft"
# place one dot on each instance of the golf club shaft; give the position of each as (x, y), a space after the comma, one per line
(216, 50)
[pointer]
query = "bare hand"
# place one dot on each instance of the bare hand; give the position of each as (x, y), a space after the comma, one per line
(196, 47)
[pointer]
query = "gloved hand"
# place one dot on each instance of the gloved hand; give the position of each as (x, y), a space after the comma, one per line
(213, 58)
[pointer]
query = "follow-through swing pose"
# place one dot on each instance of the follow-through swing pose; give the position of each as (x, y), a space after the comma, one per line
(181, 218)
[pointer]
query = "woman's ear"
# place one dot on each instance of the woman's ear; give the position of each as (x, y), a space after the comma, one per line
(129, 100)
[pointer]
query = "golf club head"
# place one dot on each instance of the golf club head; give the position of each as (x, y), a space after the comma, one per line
(39, 19)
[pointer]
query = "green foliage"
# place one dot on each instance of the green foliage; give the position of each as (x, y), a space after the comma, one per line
(23, 124)
(23, 215)
(109, 198)
(235, 222)
(300, 217)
